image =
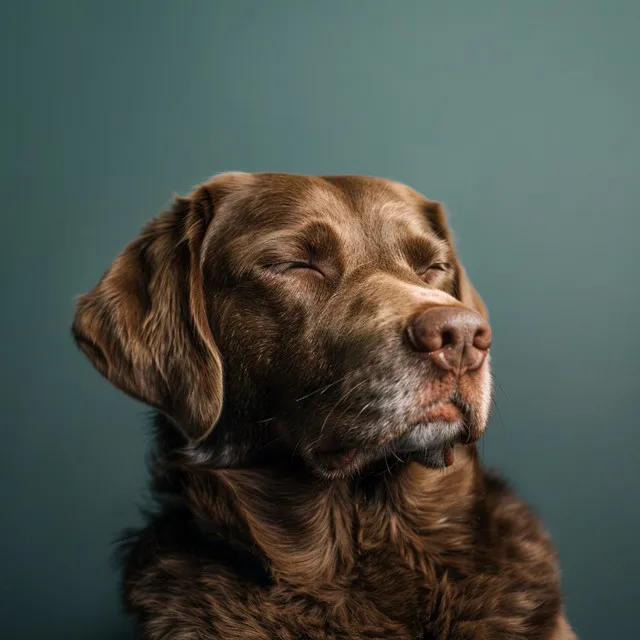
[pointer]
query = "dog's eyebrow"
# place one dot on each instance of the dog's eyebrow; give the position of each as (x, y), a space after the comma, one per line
(313, 240)
(420, 249)
(313, 235)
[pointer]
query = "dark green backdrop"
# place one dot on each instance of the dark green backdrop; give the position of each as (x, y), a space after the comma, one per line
(523, 117)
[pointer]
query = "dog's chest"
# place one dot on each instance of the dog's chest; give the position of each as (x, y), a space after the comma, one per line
(389, 573)
(384, 569)
(392, 590)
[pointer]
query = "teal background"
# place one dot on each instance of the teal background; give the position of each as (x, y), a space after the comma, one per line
(523, 117)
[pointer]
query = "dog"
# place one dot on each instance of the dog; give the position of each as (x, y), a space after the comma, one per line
(318, 362)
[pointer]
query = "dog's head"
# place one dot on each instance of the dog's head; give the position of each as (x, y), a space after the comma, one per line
(323, 319)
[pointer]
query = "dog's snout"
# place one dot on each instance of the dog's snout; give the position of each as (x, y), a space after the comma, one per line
(454, 338)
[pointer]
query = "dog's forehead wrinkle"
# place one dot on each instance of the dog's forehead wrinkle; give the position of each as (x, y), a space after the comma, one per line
(319, 197)
(403, 292)
(370, 219)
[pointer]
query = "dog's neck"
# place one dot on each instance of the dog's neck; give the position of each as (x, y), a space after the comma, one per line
(311, 532)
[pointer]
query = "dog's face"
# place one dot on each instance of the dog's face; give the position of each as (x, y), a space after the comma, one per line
(325, 318)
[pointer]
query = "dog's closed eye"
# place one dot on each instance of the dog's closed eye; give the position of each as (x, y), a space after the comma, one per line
(296, 268)
(439, 266)
(433, 268)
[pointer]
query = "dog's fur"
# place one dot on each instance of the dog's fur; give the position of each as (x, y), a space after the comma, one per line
(264, 318)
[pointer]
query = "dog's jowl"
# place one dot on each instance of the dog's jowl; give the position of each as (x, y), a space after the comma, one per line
(319, 363)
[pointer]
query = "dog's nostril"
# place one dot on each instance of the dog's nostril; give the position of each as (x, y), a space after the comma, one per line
(482, 337)
(424, 338)
(447, 338)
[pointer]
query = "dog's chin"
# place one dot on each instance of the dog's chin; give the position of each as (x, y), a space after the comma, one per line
(430, 444)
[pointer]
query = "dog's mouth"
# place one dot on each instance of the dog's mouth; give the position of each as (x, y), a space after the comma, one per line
(341, 461)
(337, 459)
(430, 442)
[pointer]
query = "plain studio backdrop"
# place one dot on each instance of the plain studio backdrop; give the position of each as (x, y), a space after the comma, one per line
(523, 117)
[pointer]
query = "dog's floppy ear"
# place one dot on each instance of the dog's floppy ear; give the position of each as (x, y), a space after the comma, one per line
(144, 326)
(465, 291)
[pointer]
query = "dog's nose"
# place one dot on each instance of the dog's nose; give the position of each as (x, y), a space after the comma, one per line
(454, 338)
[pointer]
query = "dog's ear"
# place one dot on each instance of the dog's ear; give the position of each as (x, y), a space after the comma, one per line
(465, 291)
(144, 326)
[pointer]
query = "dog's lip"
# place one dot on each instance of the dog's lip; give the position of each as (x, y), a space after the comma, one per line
(448, 457)
(335, 459)
(342, 460)
(445, 411)
(347, 456)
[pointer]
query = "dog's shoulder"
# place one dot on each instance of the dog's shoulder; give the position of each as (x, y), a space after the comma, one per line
(516, 562)
(172, 551)
(510, 529)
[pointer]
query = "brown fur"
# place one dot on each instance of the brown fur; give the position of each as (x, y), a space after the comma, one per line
(208, 318)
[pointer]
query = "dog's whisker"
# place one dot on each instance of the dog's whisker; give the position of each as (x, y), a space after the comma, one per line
(364, 408)
(270, 442)
(349, 407)
(386, 462)
(321, 390)
(495, 379)
(495, 404)
(341, 399)
(295, 449)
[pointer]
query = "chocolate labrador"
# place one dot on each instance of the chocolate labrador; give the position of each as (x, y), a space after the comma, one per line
(319, 365)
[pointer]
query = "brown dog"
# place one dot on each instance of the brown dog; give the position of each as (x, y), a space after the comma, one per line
(319, 364)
